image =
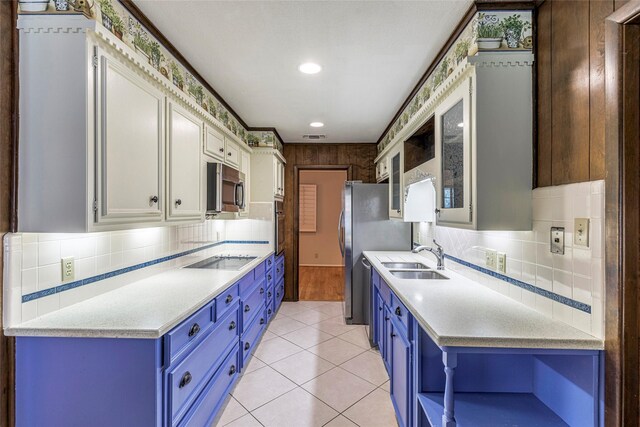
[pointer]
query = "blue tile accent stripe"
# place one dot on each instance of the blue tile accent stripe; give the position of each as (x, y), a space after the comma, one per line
(519, 283)
(72, 285)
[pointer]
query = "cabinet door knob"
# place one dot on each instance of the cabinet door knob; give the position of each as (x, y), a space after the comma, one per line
(269, 294)
(269, 261)
(247, 308)
(232, 370)
(229, 299)
(178, 202)
(398, 311)
(386, 318)
(221, 150)
(393, 335)
(262, 321)
(232, 325)
(246, 346)
(398, 210)
(269, 277)
(261, 291)
(194, 330)
(153, 199)
(186, 379)
(229, 154)
(379, 308)
(269, 311)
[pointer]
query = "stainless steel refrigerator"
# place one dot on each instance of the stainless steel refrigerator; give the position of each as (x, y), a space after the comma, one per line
(364, 225)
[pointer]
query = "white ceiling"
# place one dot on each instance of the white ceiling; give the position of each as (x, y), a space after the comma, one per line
(372, 53)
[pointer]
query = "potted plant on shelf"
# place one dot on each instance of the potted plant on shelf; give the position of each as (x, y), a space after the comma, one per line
(155, 54)
(176, 75)
(512, 27)
(117, 26)
(488, 33)
(252, 140)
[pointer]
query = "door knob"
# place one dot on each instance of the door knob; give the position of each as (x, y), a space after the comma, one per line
(153, 199)
(178, 202)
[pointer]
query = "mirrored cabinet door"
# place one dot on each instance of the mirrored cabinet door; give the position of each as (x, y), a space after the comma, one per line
(453, 144)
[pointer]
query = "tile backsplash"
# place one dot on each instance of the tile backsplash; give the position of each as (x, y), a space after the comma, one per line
(33, 260)
(577, 275)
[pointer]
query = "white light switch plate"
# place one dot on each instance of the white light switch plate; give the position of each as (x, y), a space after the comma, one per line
(581, 232)
(491, 258)
(557, 240)
(502, 262)
(68, 269)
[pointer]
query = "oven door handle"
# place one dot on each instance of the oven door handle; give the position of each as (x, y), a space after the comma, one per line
(239, 190)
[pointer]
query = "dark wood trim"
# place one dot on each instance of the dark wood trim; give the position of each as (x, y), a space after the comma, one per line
(146, 22)
(296, 224)
(622, 225)
(466, 19)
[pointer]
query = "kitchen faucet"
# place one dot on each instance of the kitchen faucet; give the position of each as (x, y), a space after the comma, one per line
(438, 252)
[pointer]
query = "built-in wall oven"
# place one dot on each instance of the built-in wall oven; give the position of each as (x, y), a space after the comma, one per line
(225, 189)
(279, 237)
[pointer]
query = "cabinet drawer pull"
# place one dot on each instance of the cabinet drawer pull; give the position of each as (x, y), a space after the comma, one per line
(393, 335)
(268, 294)
(229, 299)
(261, 291)
(398, 311)
(153, 199)
(386, 318)
(178, 202)
(229, 154)
(246, 346)
(262, 320)
(269, 277)
(247, 308)
(379, 308)
(221, 150)
(269, 311)
(232, 370)
(269, 262)
(232, 325)
(398, 210)
(186, 379)
(194, 330)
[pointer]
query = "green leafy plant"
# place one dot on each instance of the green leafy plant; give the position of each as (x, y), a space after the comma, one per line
(176, 74)
(462, 49)
(515, 24)
(253, 140)
(486, 30)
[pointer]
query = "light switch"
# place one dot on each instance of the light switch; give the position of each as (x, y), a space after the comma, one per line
(502, 262)
(581, 232)
(557, 240)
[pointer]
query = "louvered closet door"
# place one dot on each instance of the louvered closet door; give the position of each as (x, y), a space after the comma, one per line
(308, 208)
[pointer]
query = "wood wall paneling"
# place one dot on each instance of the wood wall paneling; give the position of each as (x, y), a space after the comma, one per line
(8, 138)
(570, 92)
(360, 159)
(571, 95)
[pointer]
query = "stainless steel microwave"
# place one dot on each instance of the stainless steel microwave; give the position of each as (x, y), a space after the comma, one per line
(225, 189)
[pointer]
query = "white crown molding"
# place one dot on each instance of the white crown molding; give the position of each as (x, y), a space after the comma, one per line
(63, 23)
(269, 151)
(502, 59)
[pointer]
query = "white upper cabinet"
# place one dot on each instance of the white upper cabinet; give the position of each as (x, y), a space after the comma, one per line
(184, 139)
(267, 162)
(214, 143)
(130, 145)
(232, 156)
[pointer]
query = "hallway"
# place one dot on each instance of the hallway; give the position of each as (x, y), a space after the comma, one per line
(311, 369)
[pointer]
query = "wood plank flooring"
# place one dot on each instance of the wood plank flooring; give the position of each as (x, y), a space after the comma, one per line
(321, 283)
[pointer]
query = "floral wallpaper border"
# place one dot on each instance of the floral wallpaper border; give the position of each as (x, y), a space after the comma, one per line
(488, 31)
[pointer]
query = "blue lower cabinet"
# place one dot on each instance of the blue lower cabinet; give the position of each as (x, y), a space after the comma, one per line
(279, 268)
(279, 290)
(401, 374)
(484, 387)
(181, 379)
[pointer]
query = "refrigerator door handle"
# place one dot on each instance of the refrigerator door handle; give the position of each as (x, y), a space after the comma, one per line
(341, 233)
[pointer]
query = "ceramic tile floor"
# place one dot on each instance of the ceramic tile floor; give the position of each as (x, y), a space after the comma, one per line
(312, 369)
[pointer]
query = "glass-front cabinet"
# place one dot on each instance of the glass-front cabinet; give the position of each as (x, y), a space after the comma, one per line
(453, 147)
(396, 186)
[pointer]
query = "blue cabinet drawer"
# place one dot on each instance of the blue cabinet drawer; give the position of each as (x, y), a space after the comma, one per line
(269, 262)
(258, 272)
(183, 337)
(279, 290)
(385, 292)
(270, 310)
(206, 407)
(187, 378)
(401, 314)
(270, 275)
(250, 337)
(269, 296)
(246, 284)
(279, 268)
(227, 300)
(252, 305)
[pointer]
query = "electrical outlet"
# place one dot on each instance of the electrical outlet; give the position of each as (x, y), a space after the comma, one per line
(557, 240)
(68, 269)
(581, 232)
(491, 258)
(502, 262)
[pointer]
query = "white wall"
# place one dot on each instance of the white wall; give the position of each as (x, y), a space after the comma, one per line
(578, 274)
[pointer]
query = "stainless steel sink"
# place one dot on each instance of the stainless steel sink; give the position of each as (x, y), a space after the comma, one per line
(419, 275)
(407, 265)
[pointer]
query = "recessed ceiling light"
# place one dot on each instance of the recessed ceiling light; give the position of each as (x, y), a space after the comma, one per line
(316, 124)
(309, 68)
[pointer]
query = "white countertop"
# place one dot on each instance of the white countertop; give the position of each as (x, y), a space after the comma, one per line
(146, 308)
(462, 313)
